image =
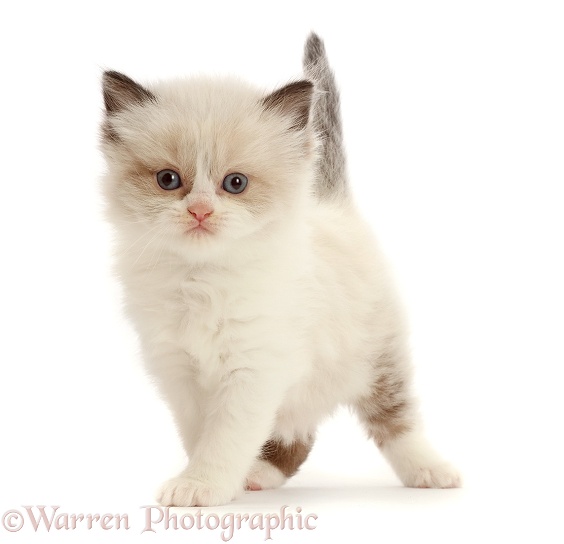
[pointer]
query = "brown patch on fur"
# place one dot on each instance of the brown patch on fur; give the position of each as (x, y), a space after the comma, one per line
(388, 411)
(294, 99)
(287, 459)
(143, 181)
(108, 132)
(121, 91)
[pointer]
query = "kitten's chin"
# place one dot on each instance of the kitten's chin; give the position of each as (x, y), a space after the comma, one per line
(199, 244)
(211, 243)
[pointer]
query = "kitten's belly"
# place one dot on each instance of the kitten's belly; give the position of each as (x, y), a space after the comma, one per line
(329, 385)
(342, 369)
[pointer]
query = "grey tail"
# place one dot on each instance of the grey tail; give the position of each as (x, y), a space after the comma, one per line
(331, 176)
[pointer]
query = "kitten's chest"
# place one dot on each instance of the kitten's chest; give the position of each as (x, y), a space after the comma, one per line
(204, 313)
(220, 319)
(183, 311)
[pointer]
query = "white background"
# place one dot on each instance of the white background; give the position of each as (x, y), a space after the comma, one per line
(454, 122)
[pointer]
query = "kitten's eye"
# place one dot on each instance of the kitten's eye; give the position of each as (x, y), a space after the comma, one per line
(169, 180)
(235, 183)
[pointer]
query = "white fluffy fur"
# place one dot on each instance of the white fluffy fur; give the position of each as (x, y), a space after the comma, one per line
(262, 327)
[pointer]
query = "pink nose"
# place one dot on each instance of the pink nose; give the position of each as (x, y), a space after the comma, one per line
(200, 210)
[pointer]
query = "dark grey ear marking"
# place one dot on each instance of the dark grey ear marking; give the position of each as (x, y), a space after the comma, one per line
(294, 100)
(121, 91)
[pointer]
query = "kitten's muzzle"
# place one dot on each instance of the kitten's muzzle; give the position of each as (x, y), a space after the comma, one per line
(200, 211)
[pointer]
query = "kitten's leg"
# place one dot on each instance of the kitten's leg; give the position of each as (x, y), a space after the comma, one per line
(188, 416)
(277, 462)
(390, 416)
(173, 373)
(239, 418)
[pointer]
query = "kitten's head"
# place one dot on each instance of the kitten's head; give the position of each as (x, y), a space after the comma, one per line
(200, 165)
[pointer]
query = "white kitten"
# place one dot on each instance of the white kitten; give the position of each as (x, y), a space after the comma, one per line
(257, 291)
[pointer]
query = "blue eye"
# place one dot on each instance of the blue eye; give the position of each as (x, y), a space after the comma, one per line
(169, 180)
(235, 183)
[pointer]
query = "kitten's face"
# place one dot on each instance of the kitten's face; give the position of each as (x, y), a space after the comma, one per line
(199, 165)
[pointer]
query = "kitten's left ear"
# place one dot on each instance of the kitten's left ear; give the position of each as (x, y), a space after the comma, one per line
(121, 92)
(294, 100)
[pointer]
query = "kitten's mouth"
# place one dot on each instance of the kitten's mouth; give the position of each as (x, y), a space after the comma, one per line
(199, 229)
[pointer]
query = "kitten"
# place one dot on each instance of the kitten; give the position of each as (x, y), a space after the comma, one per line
(260, 298)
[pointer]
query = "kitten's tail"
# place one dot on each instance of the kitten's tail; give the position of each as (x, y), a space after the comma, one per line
(332, 176)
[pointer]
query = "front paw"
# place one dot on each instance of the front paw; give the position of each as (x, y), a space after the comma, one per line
(188, 491)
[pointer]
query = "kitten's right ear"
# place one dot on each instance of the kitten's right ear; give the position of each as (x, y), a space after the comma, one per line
(293, 100)
(121, 92)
